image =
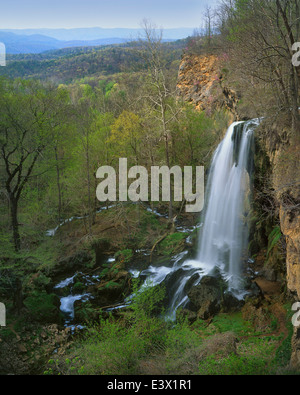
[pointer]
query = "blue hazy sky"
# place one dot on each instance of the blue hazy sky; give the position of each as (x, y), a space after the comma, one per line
(20, 14)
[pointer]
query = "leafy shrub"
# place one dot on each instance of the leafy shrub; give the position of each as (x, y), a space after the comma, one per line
(273, 239)
(124, 256)
(233, 365)
(42, 306)
(173, 243)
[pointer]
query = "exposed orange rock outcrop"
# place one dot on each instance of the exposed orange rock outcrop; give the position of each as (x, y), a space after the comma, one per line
(200, 82)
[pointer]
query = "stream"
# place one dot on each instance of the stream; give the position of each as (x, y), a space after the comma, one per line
(154, 275)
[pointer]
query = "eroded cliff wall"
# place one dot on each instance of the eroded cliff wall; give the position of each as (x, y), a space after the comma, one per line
(200, 82)
(283, 149)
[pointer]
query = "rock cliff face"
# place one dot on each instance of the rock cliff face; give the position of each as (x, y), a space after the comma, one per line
(283, 150)
(200, 82)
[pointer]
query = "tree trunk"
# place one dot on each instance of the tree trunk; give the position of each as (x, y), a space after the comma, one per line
(294, 86)
(58, 186)
(18, 296)
(15, 223)
(90, 209)
(168, 164)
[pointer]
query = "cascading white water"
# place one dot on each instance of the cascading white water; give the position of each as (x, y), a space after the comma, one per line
(224, 234)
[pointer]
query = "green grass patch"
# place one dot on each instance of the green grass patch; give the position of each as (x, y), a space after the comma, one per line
(233, 365)
(232, 322)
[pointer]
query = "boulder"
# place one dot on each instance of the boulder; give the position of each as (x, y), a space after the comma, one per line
(231, 303)
(70, 264)
(190, 283)
(205, 298)
(185, 314)
(110, 292)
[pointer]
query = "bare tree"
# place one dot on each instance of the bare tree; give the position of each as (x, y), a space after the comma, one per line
(259, 36)
(24, 134)
(209, 16)
(161, 93)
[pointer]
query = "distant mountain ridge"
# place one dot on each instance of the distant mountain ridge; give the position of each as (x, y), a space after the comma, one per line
(35, 41)
(94, 33)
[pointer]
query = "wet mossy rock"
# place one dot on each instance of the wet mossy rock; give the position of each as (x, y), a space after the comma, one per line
(113, 292)
(205, 298)
(211, 297)
(70, 264)
(282, 147)
(114, 286)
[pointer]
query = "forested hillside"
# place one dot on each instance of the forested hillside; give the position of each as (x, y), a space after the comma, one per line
(70, 64)
(72, 268)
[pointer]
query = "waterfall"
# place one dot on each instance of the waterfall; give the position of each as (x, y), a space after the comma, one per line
(224, 234)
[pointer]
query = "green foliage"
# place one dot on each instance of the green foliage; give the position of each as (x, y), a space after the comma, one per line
(233, 365)
(180, 339)
(273, 239)
(78, 287)
(6, 245)
(233, 322)
(42, 306)
(73, 64)
(172, 243)
(124, 256)
(41, 281)
(149, 221)
(110, 349)
(146, 301)
(113, 347)
(120, 346)
(283, 353)
(85, 312)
